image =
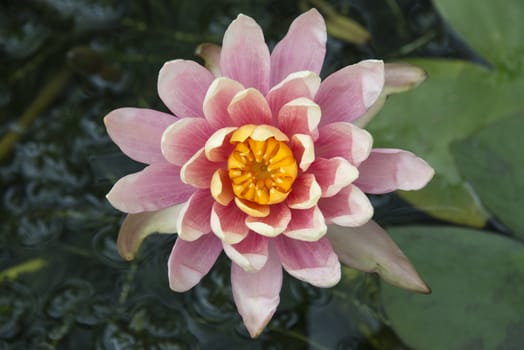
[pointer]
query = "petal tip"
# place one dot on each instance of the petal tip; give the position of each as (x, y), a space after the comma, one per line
(373, 81)
(188, 279)
(252, 320)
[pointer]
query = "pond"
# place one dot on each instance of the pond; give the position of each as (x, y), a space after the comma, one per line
(63, 285)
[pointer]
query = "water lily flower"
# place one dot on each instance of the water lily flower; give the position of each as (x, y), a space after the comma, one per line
(261, 160)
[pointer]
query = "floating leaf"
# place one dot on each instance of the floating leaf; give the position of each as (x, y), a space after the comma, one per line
(457, 99)
(477, 280)
(493, 29)
(493, 162)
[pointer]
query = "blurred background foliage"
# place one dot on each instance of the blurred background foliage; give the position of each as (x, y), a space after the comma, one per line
(67, 63)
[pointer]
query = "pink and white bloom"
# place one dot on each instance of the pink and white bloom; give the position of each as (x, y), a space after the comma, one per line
(258, 157)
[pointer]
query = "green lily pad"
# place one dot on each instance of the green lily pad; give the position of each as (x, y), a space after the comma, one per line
(458, 99)
(493, 162)
(493, 28)
(477, 280)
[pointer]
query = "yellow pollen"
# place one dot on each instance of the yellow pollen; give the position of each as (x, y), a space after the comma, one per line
(262, 171)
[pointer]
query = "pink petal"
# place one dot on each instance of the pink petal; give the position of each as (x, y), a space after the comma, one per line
(245, 55)
(251, 254)
(333, 174)
(218, 98)
(306, 225)
(249, 107)
(184, 138)
(303, 149)
(138, 132)
(369, 248)
(182, 86)
(300, 116)
(348, 93)
(312, 262)
(227, 222)
(388, 170)
(305, 194)
(299, 84)
(190, 261)
(343, 140)
(256, 294)
(273, 224)
(399, 77)
(136, 227)
(195, 216)
(349, 207)
(156, 187)
(210, 53)
(198, 170)
(217, 147)
(303, 47)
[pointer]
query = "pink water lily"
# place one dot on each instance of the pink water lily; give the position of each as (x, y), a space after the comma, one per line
(257, 159)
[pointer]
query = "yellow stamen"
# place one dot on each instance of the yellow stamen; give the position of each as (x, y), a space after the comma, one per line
(261, 171)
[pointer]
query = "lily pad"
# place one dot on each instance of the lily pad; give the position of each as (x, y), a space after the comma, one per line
(458, 99)
(491, 27)
(477, 280)
(493, 162)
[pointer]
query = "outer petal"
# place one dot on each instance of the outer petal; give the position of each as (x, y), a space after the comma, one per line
(227, 222)
(256, 294)
(138, 132)
(251, 254)
(300, 116)
(333, 174)
(303, 47)
(210, 53)
(348, 93)
(156, 187)
(298, 84)
(399, 77)
(136, 227)
(369, 248)
(218, 98)
(388, 170)
(245, 55)
(249, 107)
(306, 192)
(306, 225)
(182, 86)
(198, 170)
(344, 140)
(312, 262)
(273, 224)
(195, 216)
(190, 261)
(184, 138)
(350, 207)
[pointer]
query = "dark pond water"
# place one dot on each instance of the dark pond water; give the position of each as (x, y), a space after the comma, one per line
(64, 65)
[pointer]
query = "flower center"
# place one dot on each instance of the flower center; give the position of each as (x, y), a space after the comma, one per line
(262, 171)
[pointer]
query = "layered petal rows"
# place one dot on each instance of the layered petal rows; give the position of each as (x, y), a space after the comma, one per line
(259, 156)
